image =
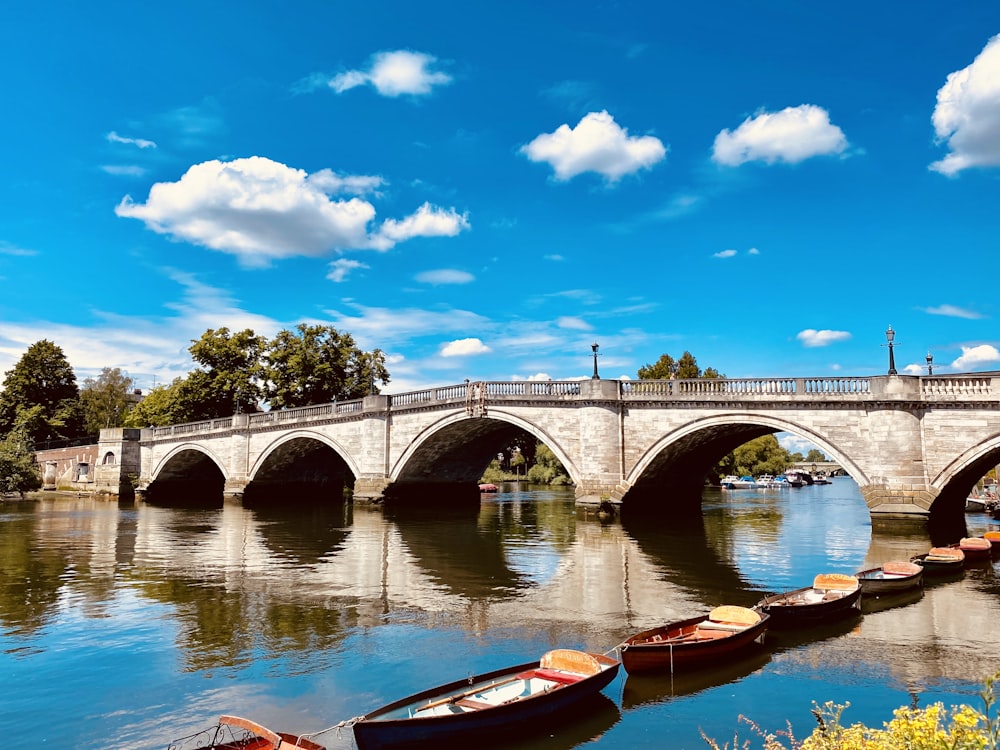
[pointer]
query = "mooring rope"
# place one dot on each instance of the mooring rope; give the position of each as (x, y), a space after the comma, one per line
(345, 724)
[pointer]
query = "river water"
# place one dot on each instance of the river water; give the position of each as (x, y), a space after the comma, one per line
(127, 626)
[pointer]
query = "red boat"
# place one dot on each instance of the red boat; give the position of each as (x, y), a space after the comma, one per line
(488, 488)
(700, 640)
(236, 733)
(976, 548)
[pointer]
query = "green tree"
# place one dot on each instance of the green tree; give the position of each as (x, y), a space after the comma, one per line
(316, 364)
(547, 469)
(106, 399)
(763, 455)
(42, 378)
(229, 379)
(814, 455)
(163, 405)
(685, 368)
(18, 470)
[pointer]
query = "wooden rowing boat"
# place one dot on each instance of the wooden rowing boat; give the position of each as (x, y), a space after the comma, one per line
(941, 560)
(994, 539)
(830, 596)
(890, 577)
(237, 733)
(699, 640)
(976, 548)
(515, 698)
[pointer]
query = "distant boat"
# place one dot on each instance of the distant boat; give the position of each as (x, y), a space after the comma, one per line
(733, 482)
(891, 577)
(831, 595)
(768, 482)
(236, 733)
(796, 478)
(700, 640)
(515, 699)
(488, 487)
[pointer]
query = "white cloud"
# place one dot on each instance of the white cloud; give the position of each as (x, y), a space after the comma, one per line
(445, 276)
(427, 221)
(386, 328)
(574, 323)
(8, 249)
(261, 210)
(113, 137)
(341, 267)
(539, 377)
(724, 254)
(967, 114)
(753, 251)
(813, 338)
(952, 311)
(464, 347)
(596, 144)
(975, 356)
(791, 135)
(393, 74)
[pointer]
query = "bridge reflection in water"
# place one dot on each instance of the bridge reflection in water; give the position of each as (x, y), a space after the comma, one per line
(305, 616)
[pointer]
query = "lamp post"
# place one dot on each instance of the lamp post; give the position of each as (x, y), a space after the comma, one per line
(595, 376)
(890, 336)
(930, 364)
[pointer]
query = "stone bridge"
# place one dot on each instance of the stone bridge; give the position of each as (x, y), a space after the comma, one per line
(914, 444)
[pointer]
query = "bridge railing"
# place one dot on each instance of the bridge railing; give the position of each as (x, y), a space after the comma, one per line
(723, 387)
(956, 386)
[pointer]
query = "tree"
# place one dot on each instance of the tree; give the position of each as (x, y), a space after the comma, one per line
(105, 399)
(229, 380)
(547, 469)
(42, 378)
(316, 364)
(18, 470)
(763, 455)
(814, 455)
(667, 368)
(163, 405)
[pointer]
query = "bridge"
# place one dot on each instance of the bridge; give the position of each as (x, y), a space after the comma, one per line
(915, 445)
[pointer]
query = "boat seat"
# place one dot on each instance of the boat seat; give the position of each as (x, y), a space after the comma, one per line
(473, 704)
(564, 678)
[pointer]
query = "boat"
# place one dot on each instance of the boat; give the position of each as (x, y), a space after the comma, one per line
(976, 504)
(699, 640)
(831, 595)
(976, 548)
(488, 487)
(769, 482)
(795, 478)
(733, 482)
(237, 733)
(940, 560)
(891, 577)
(994, 539)
(510, 699)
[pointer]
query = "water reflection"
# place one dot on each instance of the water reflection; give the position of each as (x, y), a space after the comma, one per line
(119, 617)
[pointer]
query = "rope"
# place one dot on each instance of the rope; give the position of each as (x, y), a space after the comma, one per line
(345, 724)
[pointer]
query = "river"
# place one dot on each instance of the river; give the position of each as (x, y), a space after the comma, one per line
(126, 626)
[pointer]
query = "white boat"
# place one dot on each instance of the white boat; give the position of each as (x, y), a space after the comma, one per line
(768, 482)
(733, 482)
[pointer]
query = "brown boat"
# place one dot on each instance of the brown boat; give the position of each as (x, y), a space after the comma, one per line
(941, 560)
(976, 548)
(831, 595)
(696, 641)
(891, 577)
(236, 733)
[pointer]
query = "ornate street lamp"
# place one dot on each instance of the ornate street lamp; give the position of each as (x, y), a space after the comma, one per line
(890, 336)
(595, 376)
(930, 364)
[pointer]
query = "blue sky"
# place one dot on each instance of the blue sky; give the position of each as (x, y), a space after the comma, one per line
(483, 190)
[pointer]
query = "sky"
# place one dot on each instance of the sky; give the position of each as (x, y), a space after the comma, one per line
(485, 190)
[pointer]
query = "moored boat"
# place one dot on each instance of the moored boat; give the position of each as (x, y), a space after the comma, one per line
(940, 560)
(521, 697)
(976, 548)
(237, 733)
(831, 595)
(488, 487)
(699, 640)
(891, 577)
(994, 540)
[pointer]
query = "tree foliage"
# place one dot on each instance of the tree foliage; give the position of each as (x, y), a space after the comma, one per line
(229, 378)
(667, 368)
(18, 470)
(763, 455)
(317, 364)
(40, 396)
(105, 399)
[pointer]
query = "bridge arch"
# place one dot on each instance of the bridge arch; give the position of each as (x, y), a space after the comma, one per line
(188, 473)
(458, 447)
(300, 466)
(687, 454)
(957, 478)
